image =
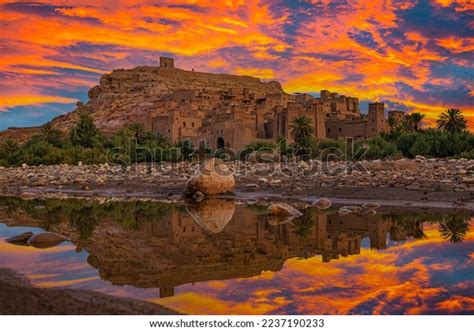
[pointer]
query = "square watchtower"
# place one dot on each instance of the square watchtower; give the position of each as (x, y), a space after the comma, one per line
(166, 62)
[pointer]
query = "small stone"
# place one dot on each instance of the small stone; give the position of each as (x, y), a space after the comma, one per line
(344, 211)
(371, 212)
(28, 195)
(198, 196)
(371, 205)
(322, 203)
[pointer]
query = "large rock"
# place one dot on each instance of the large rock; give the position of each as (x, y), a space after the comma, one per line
(212, 215)
(21, 239)
(281, 213)
(213, 177)
(283, 209)
(46, 240)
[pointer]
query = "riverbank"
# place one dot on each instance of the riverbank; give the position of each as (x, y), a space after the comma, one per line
(420, 183)
(18, 296)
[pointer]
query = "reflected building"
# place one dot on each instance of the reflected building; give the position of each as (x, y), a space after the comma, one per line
(216, 240)
(178, 250)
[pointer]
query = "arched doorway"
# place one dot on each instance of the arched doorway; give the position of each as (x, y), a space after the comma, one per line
(220, 142)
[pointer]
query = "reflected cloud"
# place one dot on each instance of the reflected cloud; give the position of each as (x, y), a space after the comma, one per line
(320, 263)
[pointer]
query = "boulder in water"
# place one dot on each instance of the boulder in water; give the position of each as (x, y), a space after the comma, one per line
(21, 239)
(46, 240)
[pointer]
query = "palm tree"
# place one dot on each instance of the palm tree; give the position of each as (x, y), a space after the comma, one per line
(9, 147)
(416, 119)
(50, 134)
(138, 131)
(393, 123)
(452, 120)
(302, 131)
(454, 228)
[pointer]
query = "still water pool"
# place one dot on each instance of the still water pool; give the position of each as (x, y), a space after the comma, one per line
(220, 257)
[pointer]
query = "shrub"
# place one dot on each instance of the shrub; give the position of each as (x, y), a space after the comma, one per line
(421, 146)
(378, 148)
(262, 146)
(325, 149)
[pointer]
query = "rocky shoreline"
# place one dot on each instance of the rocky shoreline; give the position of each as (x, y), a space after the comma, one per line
(432, 183)
(18, 296)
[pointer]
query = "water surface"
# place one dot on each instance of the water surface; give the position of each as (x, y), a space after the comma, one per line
(224, 258)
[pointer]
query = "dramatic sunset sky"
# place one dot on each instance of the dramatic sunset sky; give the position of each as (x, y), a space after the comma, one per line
(413, 55)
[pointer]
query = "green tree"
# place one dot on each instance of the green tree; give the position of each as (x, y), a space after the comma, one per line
(302, 132)
(85, 133)
(282, 146)
(421, 146)
(51, 135)
(415, 120)
(186, 149)
(138, 131)
(9, 147)
(452, 120)
(11, 153)
(394, 124)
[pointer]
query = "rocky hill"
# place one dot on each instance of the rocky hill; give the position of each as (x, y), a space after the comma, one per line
(124, 94)
(20, 135)
(129, 93)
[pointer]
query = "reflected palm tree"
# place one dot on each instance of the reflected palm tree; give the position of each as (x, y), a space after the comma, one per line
(454, 228)
(407, 225)
(303, 225)
(417, 231)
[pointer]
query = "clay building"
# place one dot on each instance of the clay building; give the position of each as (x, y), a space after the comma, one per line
(242, 110)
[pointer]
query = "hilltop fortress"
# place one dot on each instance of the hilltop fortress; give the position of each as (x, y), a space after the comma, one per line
(225, 110)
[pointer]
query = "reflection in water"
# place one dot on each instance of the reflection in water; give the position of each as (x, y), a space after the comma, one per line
(231, 251)
(453, 228)
(213, 214)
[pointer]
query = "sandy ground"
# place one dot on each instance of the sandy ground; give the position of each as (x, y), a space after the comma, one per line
(19, 297)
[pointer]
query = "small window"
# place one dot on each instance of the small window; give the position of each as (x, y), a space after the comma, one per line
(329, 130)
(184, 124)
(192, 124)
(340, 129)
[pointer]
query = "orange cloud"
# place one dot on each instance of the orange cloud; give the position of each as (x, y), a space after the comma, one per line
(351, 49)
